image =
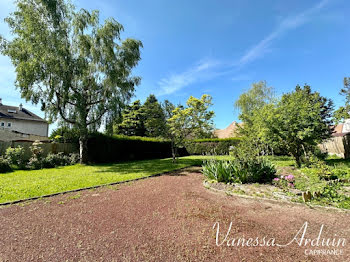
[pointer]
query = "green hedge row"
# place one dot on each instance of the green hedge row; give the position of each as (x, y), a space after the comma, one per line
(212, 145)
(107, 149)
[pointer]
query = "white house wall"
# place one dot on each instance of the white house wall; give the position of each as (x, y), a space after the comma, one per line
(28, 127)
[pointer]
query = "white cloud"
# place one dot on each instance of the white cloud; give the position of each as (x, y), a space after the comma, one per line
(203, 70)
(287, 24)
(210, 69)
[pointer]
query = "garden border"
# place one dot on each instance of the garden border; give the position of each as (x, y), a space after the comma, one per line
(87, 188)
(206, 184)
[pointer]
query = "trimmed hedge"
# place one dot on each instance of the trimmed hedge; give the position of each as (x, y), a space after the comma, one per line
(211, 145)
(107, 149)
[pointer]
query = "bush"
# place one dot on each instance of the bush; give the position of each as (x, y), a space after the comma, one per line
(15, 156)
(221, 171)
(53, 160)
(215, 145)
(59, 159)
(4, 165)
(74, 158)
(250, 170)
(284, 182)
(36, 161)
(106, 149)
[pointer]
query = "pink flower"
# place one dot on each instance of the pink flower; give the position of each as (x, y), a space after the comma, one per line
(290, 185)
(290, 178)
(276, 179)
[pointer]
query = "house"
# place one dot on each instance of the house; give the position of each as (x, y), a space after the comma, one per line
(18, 123)
(228, 132)
(339, 143)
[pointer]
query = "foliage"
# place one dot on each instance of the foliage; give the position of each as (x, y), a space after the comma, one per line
(105, 149)
(53, 160)
(76, 67)
(221, 171)
(255, 107)
(155, 121)
(15, 156)
(238, 171)
(36, 160)
(193, 121)
(211, 145)
(35, 183)
(342, 112)
(133, 121)
(60, 159)
(300, 121)
(284, 182)
(4, 165)
(65, 134)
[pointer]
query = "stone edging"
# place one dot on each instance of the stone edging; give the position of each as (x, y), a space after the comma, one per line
(207, 185)
(87, 188)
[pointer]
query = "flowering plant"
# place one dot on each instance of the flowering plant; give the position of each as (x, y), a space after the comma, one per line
(284, 182)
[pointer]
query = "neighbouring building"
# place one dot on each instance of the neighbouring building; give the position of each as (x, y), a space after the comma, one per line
(228, 131)
(18, 123)
(339, 143)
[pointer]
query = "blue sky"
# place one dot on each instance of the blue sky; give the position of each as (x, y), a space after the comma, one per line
(221, 47)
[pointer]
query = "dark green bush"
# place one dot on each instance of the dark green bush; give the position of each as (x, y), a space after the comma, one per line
(4, 165)
(214, 145)
(105, 149)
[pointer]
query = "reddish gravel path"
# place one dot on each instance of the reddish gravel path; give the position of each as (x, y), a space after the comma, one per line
(167, 218)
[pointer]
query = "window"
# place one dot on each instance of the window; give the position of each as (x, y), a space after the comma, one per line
(9, 124)
(2, 124)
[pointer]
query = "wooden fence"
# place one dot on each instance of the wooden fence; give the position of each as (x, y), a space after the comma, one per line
(48, 147)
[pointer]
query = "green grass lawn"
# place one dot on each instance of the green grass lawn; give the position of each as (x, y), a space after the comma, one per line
(23, 184)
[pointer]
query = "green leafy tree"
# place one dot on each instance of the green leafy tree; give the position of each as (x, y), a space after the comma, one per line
(254, 109)
(154, 117)
(193, 121)
(343, 112)
(77, 68)
(133, 123)
(301, 120)
(65, 134)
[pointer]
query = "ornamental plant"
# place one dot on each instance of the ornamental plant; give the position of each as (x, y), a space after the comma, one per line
(284, 182)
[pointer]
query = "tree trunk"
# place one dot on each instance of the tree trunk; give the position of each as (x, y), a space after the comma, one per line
(83, 149)
(173, 151)
(297, 160)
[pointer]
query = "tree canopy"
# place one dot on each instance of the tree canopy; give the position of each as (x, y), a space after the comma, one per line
(76, 67)
(193, 121)
(343, 112)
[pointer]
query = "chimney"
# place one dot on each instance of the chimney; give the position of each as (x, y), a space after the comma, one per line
(20, 107)
(0, 101)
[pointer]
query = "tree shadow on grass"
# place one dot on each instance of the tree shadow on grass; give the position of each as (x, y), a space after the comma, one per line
(155, 166)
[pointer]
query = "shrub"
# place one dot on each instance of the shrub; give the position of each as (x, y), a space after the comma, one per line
(284, 182)
(221, 171)
(4, 165)
(53, 160)
(36, 161)
(105, 149)
(257, 170)
(214, 145)
(15, 156)
(74, 158)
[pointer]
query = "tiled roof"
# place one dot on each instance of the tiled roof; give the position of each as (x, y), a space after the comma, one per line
(228, 131)
(13, 112)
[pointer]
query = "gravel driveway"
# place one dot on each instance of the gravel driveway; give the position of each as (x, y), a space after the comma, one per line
(167, 218)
